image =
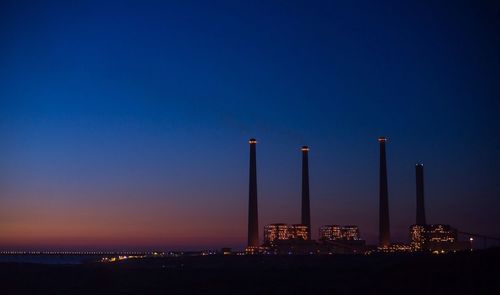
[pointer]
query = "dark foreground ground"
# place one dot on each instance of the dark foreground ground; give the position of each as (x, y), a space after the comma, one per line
(461, 273)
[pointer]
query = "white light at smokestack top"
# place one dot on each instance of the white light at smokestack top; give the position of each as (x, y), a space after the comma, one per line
(252, 141)
(304, 148)
(382, 139)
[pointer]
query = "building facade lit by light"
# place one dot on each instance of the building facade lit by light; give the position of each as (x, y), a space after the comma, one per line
(298, 231)
(417, 237)
(282, 231)
(441, 233)
(275, 231)
(339, 233)
(439, 238)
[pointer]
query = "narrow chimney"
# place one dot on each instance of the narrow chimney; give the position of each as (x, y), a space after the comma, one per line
(253, 218)
(419, 172)
(306, 210)
(384, 231)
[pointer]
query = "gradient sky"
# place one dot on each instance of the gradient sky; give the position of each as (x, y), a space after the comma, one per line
(124, 124)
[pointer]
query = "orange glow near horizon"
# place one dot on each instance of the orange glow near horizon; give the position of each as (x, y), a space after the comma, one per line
(125, 225)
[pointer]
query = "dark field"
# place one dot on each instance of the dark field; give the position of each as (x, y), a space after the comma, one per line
(463, 273)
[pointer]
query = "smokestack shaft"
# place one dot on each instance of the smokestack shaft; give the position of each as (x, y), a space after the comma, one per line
(419, 172)
(253, 220)
(384, 228)
(306, 210)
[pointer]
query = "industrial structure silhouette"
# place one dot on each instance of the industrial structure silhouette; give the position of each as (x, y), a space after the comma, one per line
(296, 238)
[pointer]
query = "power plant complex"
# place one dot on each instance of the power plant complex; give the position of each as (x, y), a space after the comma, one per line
(281, 238)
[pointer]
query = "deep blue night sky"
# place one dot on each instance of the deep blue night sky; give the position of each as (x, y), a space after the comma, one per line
(125, 124)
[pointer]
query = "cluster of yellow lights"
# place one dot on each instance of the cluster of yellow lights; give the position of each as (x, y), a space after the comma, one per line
(251, 250)
(120, 258)
(432, 237)
(336, 232)
(441, 234)
(298, 231)
(442, 239)
(278, 231)
(417, 235)
(282, 231)
(396, 248)
(304, 149)
(252, 141)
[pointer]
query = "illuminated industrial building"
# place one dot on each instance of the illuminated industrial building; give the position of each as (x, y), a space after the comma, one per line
(329, 232)
(436, 238)
(275, 231)
(281, 231)
(285, 239)
(440, 233)
(299, 232)
(341, 239)
(417, 237)
(339, 233)
(350, 232)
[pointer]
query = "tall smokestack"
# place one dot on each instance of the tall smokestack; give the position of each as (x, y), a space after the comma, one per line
(384, 232)
(306, 210)
(253, 218)
(419, 172)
